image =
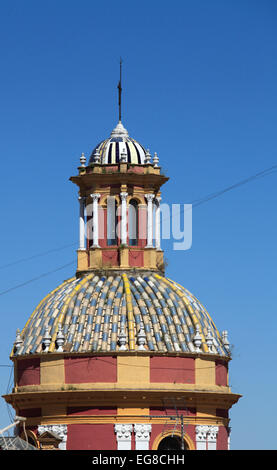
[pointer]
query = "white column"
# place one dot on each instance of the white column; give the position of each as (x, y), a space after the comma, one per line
(211, 437)
(149, 198)
(123, 436)
(124, 218)
(206, 437)
(201, 437)
(229, 438)
(158, 224)
(95, 198)
(82, 223)
(142, 435)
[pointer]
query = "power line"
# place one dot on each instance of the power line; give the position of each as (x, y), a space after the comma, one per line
(261, 174)
(209, 197)
(195, 203)
(22, 260)
(36, 278)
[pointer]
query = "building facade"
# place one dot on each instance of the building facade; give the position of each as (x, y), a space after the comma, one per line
(120, 357)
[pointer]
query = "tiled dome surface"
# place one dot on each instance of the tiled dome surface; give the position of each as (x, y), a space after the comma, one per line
(93, 308)
(111, 149)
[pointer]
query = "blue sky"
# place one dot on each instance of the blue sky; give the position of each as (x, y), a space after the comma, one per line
(199, 88)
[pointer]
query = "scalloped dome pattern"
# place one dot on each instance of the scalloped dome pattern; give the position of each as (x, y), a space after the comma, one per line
(93, 309)
(111, 149)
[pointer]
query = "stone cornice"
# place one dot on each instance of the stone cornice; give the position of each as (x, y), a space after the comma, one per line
(89, 180)
(124, 396)
(210, 356)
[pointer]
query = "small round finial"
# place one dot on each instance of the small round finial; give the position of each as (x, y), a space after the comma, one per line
(122, 339)
(18, 340)
(155, 160)
(46, 340)
(225, 340)
(209, 340)
(197, 339)
(147, 157)
(141, 338)
(83, 160)
(60, 338)
(96, 156)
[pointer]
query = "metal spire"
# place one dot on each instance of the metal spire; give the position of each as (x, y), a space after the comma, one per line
(119, 91)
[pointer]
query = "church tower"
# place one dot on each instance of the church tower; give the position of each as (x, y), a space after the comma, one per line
(120, 357)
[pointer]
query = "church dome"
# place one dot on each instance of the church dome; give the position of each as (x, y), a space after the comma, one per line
(110, 150)
(117, 312)
(111, 356)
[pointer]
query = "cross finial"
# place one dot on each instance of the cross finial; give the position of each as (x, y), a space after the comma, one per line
(119, 90)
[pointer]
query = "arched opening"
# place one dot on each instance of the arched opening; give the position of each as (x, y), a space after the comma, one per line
(172, 442)
(30, 437)
(133, 222)
(112, 221)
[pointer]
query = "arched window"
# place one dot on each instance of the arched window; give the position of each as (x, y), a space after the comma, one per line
(133, 222)
(170, 443)
(111, 221)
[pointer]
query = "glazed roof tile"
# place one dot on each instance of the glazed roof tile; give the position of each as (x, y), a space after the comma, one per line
(93, 309)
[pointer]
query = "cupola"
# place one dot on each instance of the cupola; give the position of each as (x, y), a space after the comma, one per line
(119, 195)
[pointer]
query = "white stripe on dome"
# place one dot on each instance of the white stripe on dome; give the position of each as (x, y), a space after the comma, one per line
(140, 151)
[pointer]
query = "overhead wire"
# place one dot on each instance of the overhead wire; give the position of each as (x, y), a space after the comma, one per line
(260, 174)
(37, 278)
(195, 203)
(22, 260)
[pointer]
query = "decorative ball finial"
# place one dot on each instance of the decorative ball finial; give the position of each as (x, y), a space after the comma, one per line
(96, 156)
(209, 340)
(197, 339)
(141, 338)
(60, 339)
(122, 339)
(83, 160)
(147, 157)
(46, 340)
(225, 340)
(18, 340)
(155, 160)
